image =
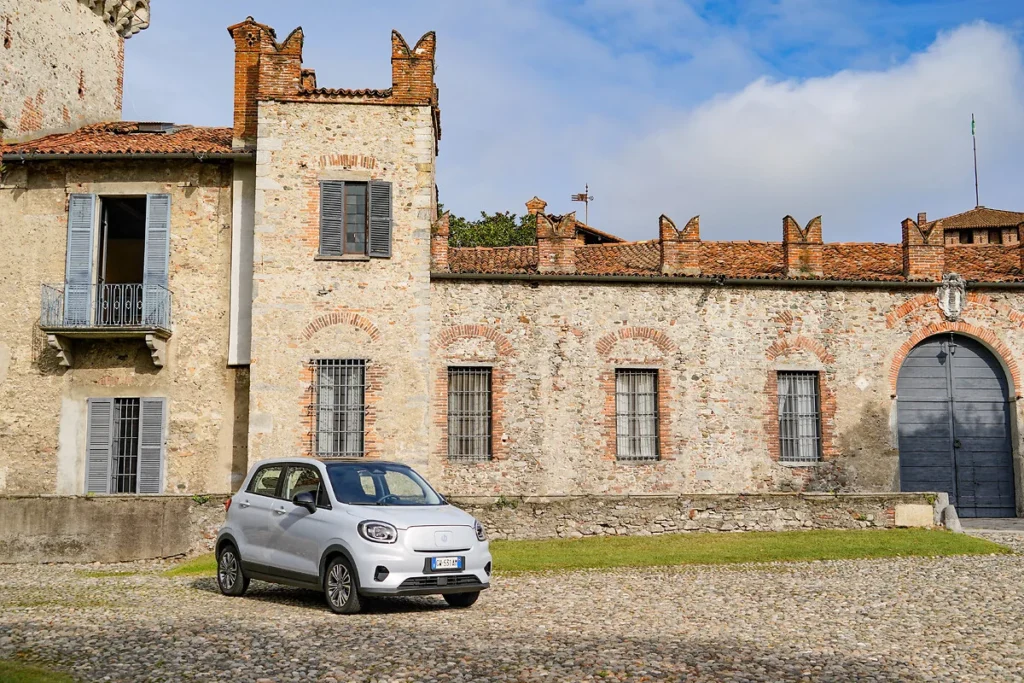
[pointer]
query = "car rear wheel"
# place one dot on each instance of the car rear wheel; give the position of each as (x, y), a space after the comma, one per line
(230, 578)
(461, 599)
(340, 587)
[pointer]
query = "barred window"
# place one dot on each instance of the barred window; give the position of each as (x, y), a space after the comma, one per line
(799, 417)
(339, 407)
(469, 414)
(636, 414)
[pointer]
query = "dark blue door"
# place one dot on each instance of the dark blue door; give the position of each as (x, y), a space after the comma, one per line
(954, 426)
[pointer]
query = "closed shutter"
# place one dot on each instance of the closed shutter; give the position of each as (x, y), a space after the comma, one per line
(380, 219)
(98, 441)
(78, 269)
(155, 303)
(332, 217)
(151, 445)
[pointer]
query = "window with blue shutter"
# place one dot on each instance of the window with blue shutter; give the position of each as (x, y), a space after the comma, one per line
(78, 268)
(125, 445)
(380, 219)
(156, 261)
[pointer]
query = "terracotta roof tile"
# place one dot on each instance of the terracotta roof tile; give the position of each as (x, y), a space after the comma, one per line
(626, 258)
(862, 261)
(988, 262)
(125, 137)
(741, 259)
(983, 217)
(493, 259)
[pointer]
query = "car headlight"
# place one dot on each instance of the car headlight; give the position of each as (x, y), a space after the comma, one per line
(479, 528)
(378, 532)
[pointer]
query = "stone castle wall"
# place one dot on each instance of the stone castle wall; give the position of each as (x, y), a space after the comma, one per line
(307, 307)
(554, 348)
(43, 404)
(62, 61)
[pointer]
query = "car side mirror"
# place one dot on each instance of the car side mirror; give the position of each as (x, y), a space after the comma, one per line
(306, 499)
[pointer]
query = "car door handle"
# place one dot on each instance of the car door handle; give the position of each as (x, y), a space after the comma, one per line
(279, 511)
(244, 504)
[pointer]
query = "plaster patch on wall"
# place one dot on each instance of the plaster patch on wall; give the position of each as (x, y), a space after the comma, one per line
(5, 361)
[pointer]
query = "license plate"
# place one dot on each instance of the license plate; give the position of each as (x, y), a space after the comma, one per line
(441, 563)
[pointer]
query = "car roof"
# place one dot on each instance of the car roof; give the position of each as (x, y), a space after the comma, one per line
(325, 461)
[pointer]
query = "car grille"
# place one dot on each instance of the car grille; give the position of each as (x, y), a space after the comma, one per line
(430, 581)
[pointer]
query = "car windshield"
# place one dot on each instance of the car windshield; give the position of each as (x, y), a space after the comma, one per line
(357, 483)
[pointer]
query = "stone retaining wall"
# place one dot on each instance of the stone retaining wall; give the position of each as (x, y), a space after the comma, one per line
(579, 516)
(124, 528)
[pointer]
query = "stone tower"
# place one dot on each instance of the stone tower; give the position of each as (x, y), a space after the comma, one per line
(62, 61)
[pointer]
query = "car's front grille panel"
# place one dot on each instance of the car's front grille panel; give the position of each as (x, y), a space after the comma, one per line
(431, 581)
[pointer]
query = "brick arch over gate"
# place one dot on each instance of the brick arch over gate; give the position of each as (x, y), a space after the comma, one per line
(985, 336)
(341, 318)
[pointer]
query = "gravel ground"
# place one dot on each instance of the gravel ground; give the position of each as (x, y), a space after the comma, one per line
(879, 620)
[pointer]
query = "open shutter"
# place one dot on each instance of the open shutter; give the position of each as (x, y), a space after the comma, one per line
(98, 439)
(332, 217)
(78, 269)
(380, 219)
(155, 297)
(151, 445)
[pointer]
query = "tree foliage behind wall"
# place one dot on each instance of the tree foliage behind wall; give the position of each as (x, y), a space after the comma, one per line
(501, 229)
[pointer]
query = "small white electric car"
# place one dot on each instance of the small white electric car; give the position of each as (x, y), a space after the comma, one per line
(350, 528)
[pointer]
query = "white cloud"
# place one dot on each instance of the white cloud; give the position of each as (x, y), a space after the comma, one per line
(865, 149)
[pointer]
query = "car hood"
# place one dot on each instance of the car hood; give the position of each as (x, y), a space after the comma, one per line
(403, 517)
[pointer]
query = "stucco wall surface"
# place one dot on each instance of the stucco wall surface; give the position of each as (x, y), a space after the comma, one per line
(43, 404)
(61, 65)
(376, 309)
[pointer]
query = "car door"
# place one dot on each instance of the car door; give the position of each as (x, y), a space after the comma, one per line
(297, 536)
(252, 510)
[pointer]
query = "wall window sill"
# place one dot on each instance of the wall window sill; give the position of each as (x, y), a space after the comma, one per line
(346, 257)
(808, 463)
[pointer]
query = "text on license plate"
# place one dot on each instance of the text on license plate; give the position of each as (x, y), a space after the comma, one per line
(445, 563)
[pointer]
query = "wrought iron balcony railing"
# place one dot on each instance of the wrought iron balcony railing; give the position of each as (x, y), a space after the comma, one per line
(70, 306)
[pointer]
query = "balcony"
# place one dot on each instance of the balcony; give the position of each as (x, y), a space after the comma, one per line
(106, 311)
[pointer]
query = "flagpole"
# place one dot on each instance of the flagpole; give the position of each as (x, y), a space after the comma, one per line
(977, 201)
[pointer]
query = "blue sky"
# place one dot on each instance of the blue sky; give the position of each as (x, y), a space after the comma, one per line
(741, 111)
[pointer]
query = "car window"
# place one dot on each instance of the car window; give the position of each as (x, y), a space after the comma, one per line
(405, 487)
(300, 479)
(379, 484)
(264, 483)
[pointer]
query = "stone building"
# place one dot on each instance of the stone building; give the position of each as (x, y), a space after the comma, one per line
(50, 84)
(292, 291)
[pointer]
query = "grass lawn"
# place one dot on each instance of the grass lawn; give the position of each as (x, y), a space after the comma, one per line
(703, 548)
(11, 672)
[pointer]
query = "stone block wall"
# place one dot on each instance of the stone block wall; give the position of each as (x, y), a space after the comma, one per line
(307, 307)
(517, 518)
(43, 404)
(62, 62)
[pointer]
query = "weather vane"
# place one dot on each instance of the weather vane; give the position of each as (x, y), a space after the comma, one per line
(586, 198)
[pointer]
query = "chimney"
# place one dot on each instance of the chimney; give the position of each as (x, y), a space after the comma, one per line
(439, 232)
(412, 71)
(924, 249)
(556, 243)
(535, 206)
(264, 69)
(803, 248)
(680, 250)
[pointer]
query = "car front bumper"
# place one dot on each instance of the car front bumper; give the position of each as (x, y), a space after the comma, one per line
(409, 574)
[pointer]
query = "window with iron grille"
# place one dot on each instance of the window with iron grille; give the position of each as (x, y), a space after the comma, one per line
(636, 414)
(469, 413)
(124, 466)
(125, 445)
(799, 417)
(338, 407)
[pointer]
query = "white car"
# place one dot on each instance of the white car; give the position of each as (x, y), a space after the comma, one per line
(350, 528)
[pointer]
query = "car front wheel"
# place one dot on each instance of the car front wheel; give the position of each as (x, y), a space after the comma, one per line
(461, 599)
(340, 587)
(230, 578)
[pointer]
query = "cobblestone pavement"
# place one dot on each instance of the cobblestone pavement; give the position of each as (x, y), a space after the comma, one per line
(881, 620)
